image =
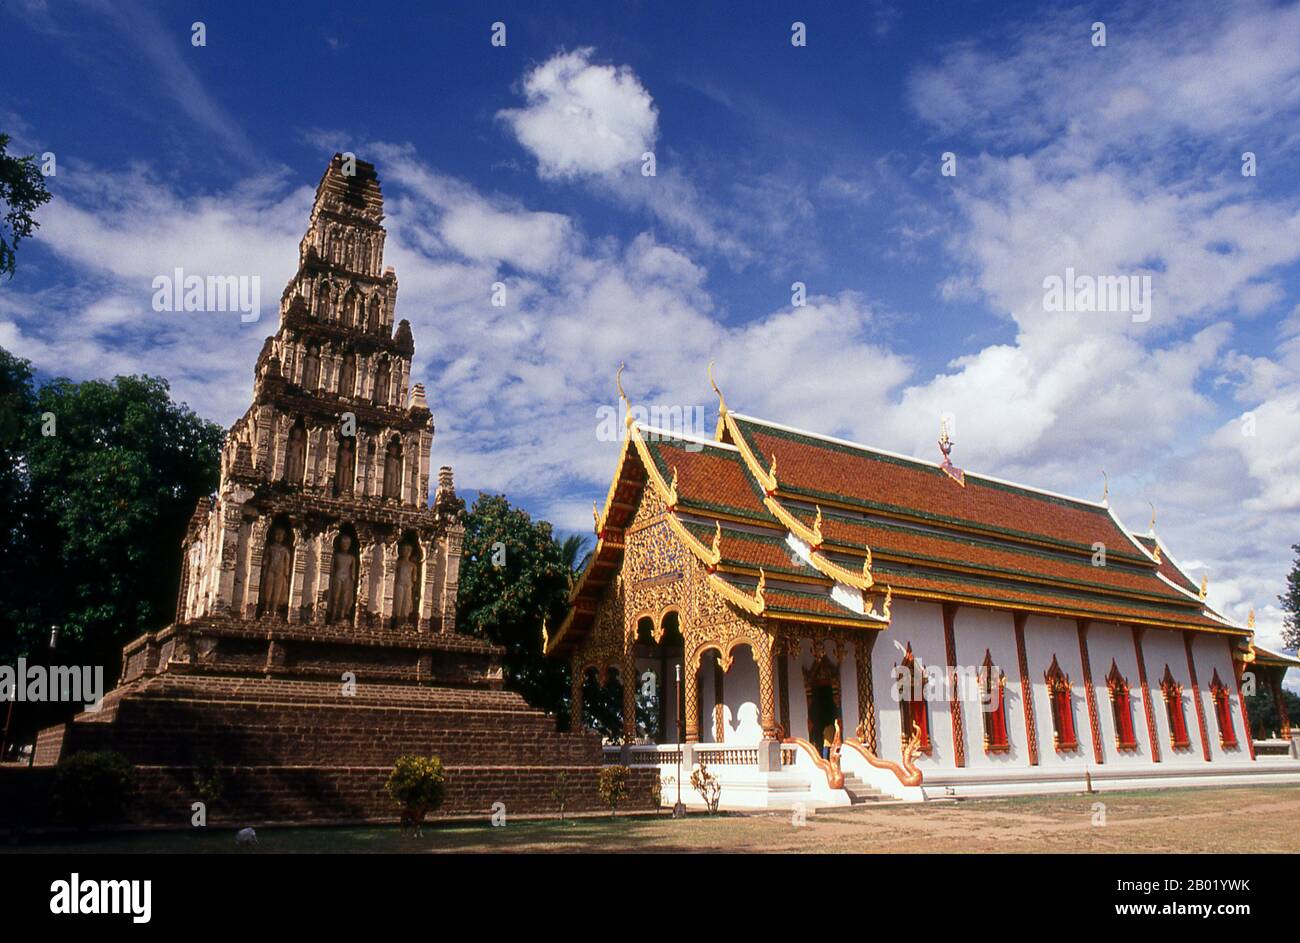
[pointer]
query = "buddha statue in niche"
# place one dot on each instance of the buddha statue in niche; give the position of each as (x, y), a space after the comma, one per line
(343, 580)
(273, 597)
(404, 580)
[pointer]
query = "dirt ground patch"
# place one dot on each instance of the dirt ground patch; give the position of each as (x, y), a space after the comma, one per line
(1247, 819)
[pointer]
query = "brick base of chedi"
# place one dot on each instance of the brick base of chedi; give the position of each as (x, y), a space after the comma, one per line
(315, 637)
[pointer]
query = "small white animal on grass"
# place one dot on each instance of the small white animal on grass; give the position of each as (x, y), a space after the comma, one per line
(246, 836)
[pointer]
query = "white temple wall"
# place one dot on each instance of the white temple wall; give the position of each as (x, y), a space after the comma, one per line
(1106, 643)
(921, 625)
(977, 631)
(740, 693)
(1160, 648)
(1212, 653)
(1045, 637)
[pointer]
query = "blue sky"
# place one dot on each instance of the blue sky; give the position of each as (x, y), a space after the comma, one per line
(775, 164)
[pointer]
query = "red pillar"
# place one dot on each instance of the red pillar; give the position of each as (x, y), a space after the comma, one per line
(1146, 695)
(1090, 693)
(954, 704)
(1026, 687)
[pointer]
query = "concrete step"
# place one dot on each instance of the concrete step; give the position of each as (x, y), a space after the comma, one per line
(859, 792)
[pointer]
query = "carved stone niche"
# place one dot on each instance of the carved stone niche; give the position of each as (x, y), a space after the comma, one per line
(341, 602)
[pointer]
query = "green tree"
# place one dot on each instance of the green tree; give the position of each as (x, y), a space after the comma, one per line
(22, 191)
(17, 409)
(575, 555)
(1261, 708)
(1290, 601)
(512, 577)
(108, 473)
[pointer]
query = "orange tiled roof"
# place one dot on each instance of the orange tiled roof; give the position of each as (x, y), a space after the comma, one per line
(832, 506)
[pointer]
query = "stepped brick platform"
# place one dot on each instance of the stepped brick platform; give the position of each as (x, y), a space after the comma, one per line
(304, 752)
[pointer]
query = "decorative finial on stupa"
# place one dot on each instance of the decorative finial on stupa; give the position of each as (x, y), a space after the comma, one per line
(418, 400)
(945, 446)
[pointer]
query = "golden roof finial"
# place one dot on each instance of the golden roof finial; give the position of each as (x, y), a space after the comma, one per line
(771, 471)
(945, 447)
(758, 590)
(866, 564)
(817, 528)
(1152, 527)
(715, 551)
(627, 403)
(1105, 491)
(722, 402)
(1205, 586)
(889, 600)
(1250, 618)
(672, 485)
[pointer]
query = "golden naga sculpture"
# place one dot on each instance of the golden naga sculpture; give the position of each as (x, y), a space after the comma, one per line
(908, 773)
(755, 605)
(912, 749)
(884, 613)
(835, 775)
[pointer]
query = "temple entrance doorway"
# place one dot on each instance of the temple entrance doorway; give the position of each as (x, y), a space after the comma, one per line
(657, 664)
(822, 690)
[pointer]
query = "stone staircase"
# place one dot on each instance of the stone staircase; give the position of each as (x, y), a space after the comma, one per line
(859, 791)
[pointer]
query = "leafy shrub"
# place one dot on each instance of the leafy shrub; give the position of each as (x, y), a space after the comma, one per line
(92, 788)
(708, 786)
(417, 784)
(560, 793)
(612, 786)
(208, 782)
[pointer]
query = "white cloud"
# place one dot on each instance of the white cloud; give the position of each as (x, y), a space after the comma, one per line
(583, 118)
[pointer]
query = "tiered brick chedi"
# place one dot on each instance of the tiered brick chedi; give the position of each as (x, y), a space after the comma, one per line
(315, 634)
(849, 622)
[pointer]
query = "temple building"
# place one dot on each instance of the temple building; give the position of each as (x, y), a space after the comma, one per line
(851, 624)
(315, 636)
